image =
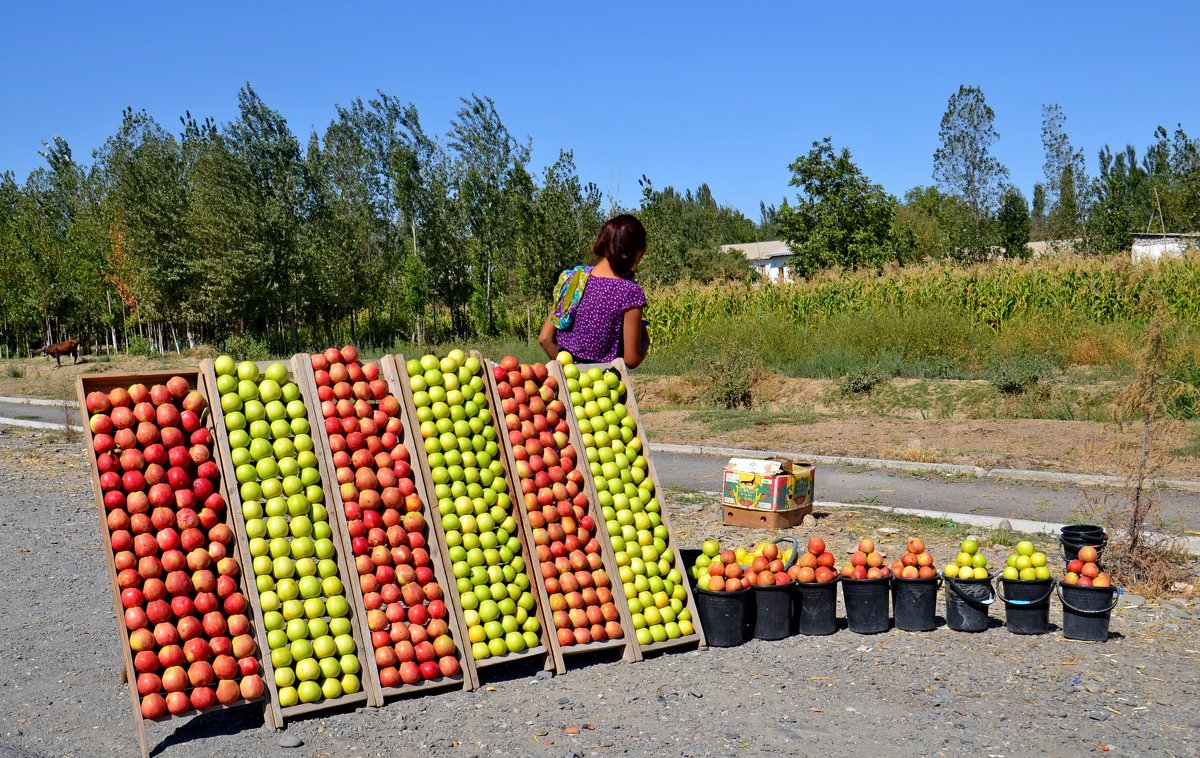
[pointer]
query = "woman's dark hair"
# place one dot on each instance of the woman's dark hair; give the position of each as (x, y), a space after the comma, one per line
(622, 241)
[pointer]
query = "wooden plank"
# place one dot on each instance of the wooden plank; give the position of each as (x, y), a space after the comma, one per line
(697, 637)
(627, 643)
(83, 386)
(365, 695)
(422, 459)
(302, 369)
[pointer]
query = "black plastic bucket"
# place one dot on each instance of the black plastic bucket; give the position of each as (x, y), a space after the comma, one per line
(815, 608)
(967, 603)
(866, 604)
(725, 616)
(914, 603)
(1087, 611)
(1026, 604)
(773, 611)
(1076, 536)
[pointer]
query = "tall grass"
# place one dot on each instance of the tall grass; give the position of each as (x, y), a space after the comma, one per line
(991, 295)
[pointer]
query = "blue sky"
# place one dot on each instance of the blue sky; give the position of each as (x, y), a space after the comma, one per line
(724, 93)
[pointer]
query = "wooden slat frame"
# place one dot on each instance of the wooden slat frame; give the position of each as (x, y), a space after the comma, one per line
(83, 386)
(302, 369)
(628, 643)
(549, 662)
(367, 694)
(622, 370)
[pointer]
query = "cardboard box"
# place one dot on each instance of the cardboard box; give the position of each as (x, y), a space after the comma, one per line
(772, 484)
(773, 493)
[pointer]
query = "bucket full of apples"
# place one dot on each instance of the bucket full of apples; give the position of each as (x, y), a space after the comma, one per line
(866, 585)
(723, 596)
(1088, 598)
(814, 611)
(969, 591)
(774, 590)
(915, 589)
(1025, 588)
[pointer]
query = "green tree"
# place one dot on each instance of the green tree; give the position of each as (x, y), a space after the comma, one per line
(964, 165)
(1065, 176)
(684, 230)
(840, 217)
(1038, 216)
(1014, 224)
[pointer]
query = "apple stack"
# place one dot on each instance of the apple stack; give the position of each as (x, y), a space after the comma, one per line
(579, 590)
(405, 611)
(293, 553)
(459, 445)
(173, 552)
(654, 587)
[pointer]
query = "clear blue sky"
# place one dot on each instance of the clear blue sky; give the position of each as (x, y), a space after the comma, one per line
(725, 93)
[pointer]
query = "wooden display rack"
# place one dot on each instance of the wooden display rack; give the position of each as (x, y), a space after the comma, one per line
(83, 386)
(550, 660)
(369, 694)
(618, 365)
(465, 679)
(627, 644)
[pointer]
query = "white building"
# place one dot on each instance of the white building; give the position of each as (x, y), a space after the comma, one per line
(769, 259)
(1154, 247)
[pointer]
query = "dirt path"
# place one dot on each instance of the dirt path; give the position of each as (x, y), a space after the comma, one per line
(942, 693)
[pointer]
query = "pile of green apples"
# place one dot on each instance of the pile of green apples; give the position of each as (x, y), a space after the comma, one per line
(653, 585)
(295, 563)
(1026, 564)
(458, 434)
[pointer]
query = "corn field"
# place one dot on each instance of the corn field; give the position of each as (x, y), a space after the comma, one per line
(1103, 290)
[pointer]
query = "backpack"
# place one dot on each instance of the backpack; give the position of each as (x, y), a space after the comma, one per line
(568, 293)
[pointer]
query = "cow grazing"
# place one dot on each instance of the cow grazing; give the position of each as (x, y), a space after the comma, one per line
(59, 349)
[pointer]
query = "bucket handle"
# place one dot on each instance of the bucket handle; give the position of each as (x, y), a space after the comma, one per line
(975, 601)
(1042, 599)
(1096, 612)
(795, 550)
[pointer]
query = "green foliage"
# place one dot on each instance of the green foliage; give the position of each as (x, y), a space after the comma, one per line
(683, 232)
(1065, 176)
(860, 382)
(14, 371)
(1013, 223)
(1017, 374)
(247, 347)
(140, 346)
(964, 165)
(840, 217)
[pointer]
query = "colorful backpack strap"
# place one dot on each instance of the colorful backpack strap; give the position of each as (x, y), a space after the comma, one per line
(569, 292)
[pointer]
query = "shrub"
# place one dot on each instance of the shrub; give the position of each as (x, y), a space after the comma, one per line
(1016, 375)
(247, 347)
(140, 346)
(15, 371)
(860, 381)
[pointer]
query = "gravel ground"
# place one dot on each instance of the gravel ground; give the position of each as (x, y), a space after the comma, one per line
(939, 693)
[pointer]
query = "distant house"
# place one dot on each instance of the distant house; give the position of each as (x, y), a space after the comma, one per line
(769, 259)
(1151, 247)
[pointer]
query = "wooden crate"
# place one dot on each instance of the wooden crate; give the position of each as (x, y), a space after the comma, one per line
(544, 651)
(369, 694)
(104, 383)
(302, 370)
(627, 645)
(697, 637)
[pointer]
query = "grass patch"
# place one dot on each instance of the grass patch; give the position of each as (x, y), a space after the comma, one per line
(929, 529)
(14, 371)
(719, 421)
(1190, 449)
(26, 417)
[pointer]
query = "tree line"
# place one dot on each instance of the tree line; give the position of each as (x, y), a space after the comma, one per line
(973, 212)
(376, 230)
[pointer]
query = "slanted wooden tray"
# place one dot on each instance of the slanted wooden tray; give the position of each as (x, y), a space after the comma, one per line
(88, 384)
(465, 679)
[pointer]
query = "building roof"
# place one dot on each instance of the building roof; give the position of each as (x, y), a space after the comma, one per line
(760, 251)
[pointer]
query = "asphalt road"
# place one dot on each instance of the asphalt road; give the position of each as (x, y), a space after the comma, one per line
(987, 497)
(845, 484)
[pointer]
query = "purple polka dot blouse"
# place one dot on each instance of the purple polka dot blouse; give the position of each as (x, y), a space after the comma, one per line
(595, 335)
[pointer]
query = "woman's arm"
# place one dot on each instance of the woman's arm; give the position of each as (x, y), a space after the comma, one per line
(548, 338)
(635, 341)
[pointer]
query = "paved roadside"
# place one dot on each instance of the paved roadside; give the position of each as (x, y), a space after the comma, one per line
(966, 494)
